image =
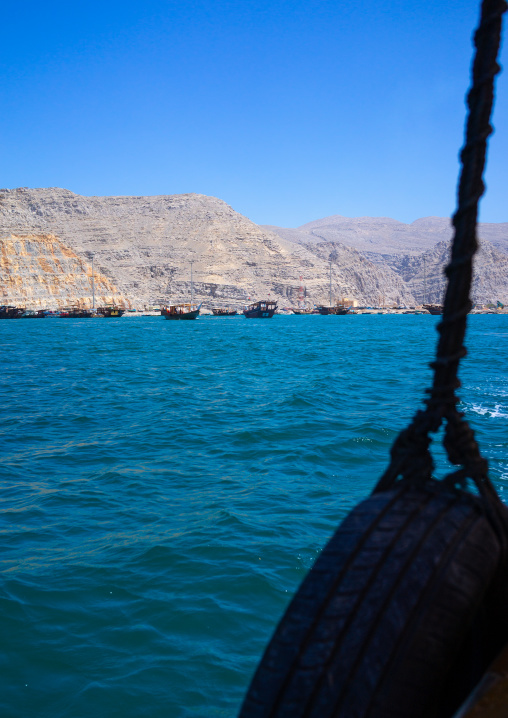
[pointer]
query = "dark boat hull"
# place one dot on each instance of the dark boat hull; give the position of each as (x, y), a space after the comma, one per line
(264, 309)
(76, 315)
(433, 308)
(111, 313)
(259, 313)
(224, 313)
(333, 310)
(8, 312)
(175, 315)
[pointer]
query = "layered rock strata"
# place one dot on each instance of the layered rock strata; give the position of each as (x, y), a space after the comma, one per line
(379, 238)
(424, 273)
(40, 271)
(145, 246)
(417, 253)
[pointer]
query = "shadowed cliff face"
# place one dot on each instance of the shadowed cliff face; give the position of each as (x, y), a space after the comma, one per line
(39, 271)
(144, 245)
(380, 237)
(424, 273)
(359, 277)
(417, 253)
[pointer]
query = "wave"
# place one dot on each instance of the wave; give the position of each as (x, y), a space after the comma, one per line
(496, 412)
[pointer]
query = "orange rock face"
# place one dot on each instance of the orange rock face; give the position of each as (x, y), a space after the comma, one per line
(40, 271)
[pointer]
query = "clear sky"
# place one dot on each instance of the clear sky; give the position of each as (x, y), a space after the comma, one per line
(288, 110)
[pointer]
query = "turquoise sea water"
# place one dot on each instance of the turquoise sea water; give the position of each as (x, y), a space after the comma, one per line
(166, 485)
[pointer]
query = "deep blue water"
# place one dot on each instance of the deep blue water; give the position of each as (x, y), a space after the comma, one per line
(166, 485)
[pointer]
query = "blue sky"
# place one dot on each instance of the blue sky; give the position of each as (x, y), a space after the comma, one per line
(288, 111)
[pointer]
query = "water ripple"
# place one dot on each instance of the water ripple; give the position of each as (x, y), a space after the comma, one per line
(166, 486)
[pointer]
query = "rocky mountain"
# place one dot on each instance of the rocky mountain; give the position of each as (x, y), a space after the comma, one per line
(424, 274)
(417, 253)
(144, 246)
(357, 278)
(38, 271)
(377, 237)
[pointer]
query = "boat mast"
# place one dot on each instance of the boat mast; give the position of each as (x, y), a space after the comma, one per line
(424, 281)
(93, 286)
(192, 283)
(301, 300)
(330, 282)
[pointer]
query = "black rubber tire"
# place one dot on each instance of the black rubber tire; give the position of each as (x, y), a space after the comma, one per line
(377, 626)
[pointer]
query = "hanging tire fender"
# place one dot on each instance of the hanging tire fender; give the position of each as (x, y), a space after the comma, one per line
(377, 625)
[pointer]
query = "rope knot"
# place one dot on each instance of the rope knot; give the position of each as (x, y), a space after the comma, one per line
(462, 448)
(410, 455)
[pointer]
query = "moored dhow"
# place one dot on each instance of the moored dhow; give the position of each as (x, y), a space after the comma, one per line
(337, 309)
(181, 311)
(110, 311)
(224, 312)
(10, 312)
(75, 313)
(305, 310)
(434, 308)
(33, 314)
(264, 309)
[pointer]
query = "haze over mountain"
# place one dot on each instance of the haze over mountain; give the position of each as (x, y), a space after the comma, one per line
(416, 252)
(377, 237)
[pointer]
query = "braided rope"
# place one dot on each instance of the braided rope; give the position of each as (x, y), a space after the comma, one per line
(410, 454)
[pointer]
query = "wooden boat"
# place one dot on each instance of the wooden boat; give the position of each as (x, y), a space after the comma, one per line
(224, 312)
(110, 311)
(434, 308)
(32, 314)
(305, 311)
(187, 310)
(337, 309)
(10, 312)
(264, 309)
(75, 313)
(181, 311)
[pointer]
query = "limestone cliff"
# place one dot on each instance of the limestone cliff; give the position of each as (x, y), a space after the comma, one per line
(40, 271)
(145, 246)
(354, 276)
(379, 238)
(417, 253)
(424, 273)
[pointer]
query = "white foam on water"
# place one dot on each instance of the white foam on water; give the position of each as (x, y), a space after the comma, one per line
(498, 411)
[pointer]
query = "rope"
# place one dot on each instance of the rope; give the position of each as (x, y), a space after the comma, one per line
(410, 455)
